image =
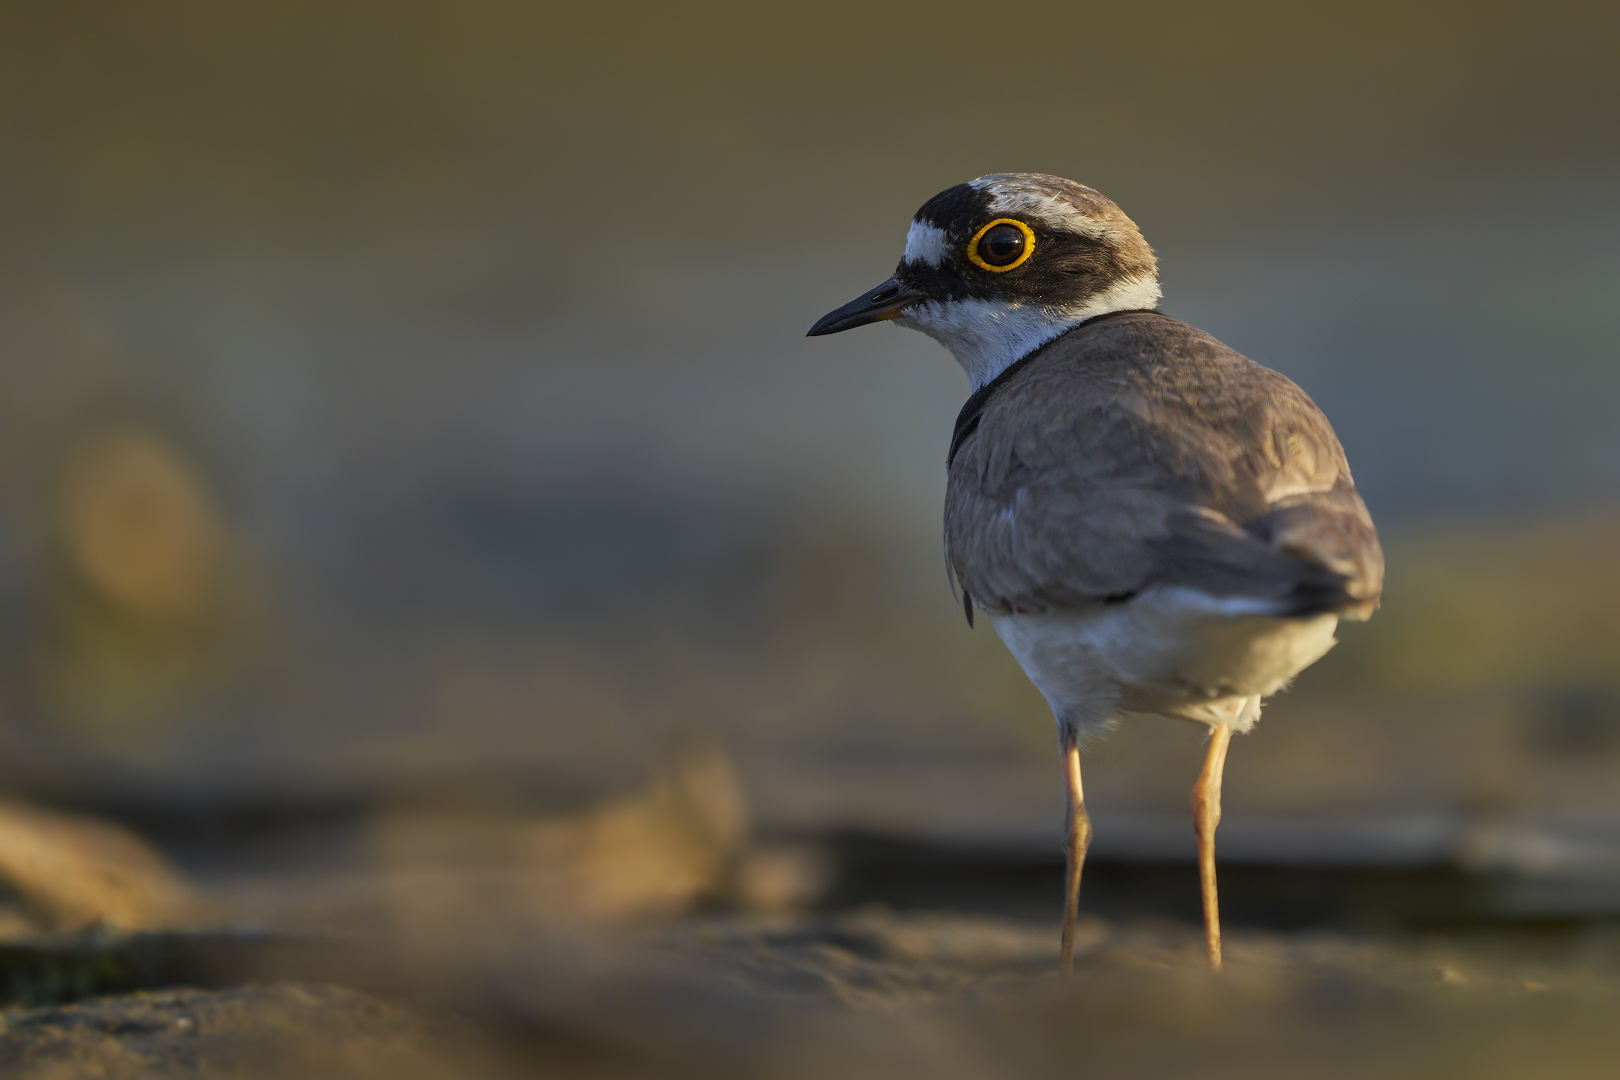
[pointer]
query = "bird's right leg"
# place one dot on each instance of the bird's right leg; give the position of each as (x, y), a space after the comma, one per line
(1206, 809)
(1076, 839)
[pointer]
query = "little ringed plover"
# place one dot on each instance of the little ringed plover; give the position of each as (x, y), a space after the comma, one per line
(1152, 522)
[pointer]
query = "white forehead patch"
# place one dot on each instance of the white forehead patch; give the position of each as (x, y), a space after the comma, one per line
(1044, 209)
(925, 244)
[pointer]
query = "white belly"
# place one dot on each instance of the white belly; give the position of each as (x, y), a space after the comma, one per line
(1175, 652)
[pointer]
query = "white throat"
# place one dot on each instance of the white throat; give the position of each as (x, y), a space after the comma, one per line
(987, 336)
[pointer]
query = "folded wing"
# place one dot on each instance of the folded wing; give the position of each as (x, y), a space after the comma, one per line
(1144, 453)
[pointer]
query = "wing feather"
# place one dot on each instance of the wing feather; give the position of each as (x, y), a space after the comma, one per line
(1143, 452)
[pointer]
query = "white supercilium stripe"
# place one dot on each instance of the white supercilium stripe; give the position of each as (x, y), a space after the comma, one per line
(1048, 210)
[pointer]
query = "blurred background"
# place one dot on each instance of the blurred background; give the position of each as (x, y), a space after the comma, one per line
(406, 422)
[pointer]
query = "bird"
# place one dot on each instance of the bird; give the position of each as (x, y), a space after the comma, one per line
(1153, 523)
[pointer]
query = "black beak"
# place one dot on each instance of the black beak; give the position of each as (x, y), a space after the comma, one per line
(875, 305)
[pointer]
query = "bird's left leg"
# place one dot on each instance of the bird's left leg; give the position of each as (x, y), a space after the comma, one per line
(1206, 810)
(1076, 841)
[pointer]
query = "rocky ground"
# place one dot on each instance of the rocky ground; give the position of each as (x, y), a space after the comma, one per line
(646, 936)
(866, 993)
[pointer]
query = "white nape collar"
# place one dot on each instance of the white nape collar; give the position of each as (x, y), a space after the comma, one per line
(988, 336)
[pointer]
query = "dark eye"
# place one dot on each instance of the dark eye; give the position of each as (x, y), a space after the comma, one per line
(1002, 245)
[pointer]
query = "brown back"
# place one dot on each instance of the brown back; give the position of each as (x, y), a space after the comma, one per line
(1137, 451)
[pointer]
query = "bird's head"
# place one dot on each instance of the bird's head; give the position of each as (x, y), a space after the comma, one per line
(996, 267)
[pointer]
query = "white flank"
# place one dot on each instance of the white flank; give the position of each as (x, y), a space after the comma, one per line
(925, 244)
(986, 336)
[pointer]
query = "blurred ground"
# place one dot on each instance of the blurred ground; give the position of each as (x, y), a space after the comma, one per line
(651, 935)
(866, 995)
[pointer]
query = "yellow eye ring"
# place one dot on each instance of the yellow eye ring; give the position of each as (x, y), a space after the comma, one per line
(978, 260)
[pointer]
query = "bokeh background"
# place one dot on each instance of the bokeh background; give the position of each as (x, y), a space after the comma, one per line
(406, 405)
